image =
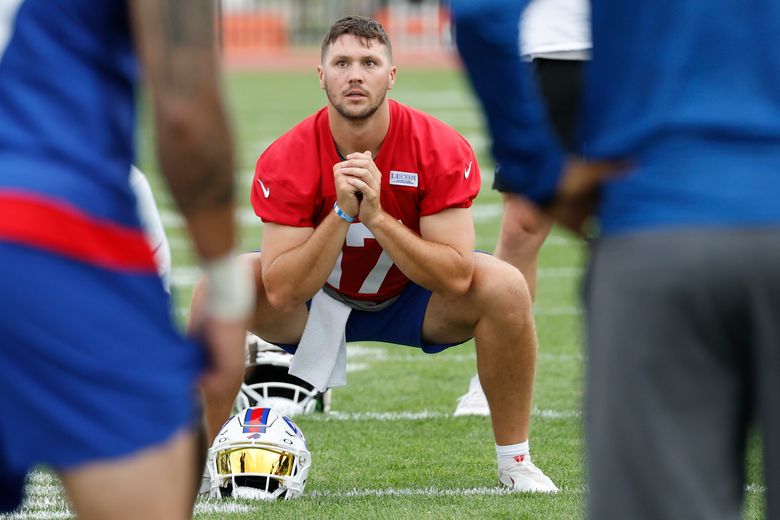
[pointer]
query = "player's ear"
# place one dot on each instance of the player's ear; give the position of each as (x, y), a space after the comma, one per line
(392, 78)
(320, 73)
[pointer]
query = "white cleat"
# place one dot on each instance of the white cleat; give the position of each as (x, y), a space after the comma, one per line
(473, 402)
(523, 475)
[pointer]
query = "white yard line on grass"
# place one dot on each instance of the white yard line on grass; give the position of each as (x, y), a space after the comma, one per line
(42, 479)
(449, 492)
(202, 507)
(425, 492)
(49, 489)
(39, 515)
(425, 415)
(208, 506)
(755, 488)
(429, 492)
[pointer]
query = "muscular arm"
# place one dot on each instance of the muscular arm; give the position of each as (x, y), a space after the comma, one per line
(297, 261)
(175, 41)
(442, 260)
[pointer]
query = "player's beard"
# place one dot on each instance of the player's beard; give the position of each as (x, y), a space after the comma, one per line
(356, 114)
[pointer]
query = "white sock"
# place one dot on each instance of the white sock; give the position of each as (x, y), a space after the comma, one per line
(512, 453)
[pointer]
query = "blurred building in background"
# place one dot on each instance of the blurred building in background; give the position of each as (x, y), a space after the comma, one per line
(288, 33)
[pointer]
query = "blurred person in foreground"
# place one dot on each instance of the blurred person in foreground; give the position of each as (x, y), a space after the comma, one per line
(95, 380)
(682, 173)
(368, 235)
(555, 38)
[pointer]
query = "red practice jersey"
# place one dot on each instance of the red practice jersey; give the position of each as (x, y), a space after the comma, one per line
(426, 167)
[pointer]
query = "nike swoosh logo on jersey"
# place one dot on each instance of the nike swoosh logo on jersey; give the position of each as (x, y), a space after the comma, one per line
(266, 191)
(467, 171)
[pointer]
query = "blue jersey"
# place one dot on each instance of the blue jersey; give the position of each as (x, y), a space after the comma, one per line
(67, 105)
(688, 91)
(86, 325)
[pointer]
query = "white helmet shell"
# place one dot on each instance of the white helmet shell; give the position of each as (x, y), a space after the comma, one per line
(258, 454)
(267, 382)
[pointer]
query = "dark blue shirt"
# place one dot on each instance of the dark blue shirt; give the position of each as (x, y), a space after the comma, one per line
(688, 91)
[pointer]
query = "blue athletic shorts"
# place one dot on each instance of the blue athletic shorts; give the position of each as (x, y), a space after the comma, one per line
(91, 365)
(400, 323)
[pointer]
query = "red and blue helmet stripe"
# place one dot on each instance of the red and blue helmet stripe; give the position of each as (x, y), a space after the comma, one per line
(256, 420)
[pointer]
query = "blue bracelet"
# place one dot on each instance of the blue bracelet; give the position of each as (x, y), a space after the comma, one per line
(340, 213)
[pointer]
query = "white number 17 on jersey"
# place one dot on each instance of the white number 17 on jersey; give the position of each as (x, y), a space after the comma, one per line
(356, 237)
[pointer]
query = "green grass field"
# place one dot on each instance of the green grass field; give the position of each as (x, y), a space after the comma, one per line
(392, 449)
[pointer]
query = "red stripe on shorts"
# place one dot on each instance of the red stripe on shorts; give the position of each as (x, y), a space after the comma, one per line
(61, 228)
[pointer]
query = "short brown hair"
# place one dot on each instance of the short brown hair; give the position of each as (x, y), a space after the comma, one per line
(365, 28)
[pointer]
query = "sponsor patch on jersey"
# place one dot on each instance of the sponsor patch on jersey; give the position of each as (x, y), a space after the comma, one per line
(403, 178)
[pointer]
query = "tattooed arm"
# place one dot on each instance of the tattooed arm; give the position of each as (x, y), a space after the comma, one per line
(176, 43)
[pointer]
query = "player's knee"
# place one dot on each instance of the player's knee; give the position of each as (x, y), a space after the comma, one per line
(523, 225)
(520, 234)
(499, 284)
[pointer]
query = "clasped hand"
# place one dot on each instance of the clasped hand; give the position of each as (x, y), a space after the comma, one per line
(358, 185)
